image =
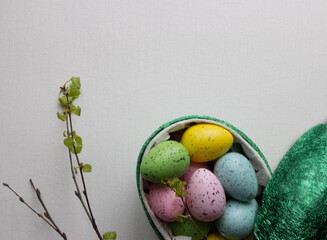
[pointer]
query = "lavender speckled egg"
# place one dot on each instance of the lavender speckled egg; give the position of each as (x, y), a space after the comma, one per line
(164, 203)
(237, 176)
(237, 221)
(206, 198)
(193, 167)
(166, 160)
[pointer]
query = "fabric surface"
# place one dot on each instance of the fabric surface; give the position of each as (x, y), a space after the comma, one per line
(294, 204)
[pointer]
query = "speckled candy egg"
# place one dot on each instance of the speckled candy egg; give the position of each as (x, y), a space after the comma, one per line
(186, 228)
(237, 222)
(193, 167)
(206, 198)
(206, 142)
(237, 176)
(164, 203)
(166, 160)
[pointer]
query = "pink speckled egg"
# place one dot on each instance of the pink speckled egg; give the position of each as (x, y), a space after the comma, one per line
(206, 198)
(164, 203)
(193, 167)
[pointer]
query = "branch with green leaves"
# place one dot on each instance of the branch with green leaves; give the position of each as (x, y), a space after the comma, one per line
(177, 186)
(67, 95)
(69, 92)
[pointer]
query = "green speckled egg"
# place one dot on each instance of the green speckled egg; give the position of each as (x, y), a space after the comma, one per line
(166, 160)
(186, 228)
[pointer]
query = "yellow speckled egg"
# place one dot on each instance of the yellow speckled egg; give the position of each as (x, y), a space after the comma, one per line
(215, 236)
(206, 142)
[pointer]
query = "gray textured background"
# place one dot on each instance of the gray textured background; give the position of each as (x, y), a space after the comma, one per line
(260, 65)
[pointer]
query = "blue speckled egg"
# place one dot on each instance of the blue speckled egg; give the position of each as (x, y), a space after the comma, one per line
(237, 176)
(237, 221)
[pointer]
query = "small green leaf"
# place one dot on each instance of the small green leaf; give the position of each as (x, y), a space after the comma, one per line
(72, 107)
(73, 91)
(64, 133)
(178, 185)
(180, 218)
(109, 235)
(63, 100)
(175, 184)
(87, 168)
(164, 183)
(69, 142)
(78, 139)
(76, 111)
(78, 144)
(75, 169)
(76, 81)
(61, 116)
(73, 86)
(78, 148)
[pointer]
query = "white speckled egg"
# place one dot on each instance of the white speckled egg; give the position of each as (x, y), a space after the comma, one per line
(237, 221)
(164, 203)
(237, 176)
(206, 198)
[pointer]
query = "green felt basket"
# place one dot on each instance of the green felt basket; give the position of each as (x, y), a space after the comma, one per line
(164, 132)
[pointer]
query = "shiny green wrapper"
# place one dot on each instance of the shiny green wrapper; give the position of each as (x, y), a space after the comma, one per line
(294, 204)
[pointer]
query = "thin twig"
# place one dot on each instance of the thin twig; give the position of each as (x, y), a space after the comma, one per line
(63, 235)
(192, 221)
(77, 192)
(89, 212)
(47, 213)
(190, 218)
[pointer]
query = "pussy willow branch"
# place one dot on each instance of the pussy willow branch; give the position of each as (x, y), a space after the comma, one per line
(47, 217)
(78, 194)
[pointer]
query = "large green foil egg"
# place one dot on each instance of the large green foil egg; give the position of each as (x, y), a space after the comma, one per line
(294, 204)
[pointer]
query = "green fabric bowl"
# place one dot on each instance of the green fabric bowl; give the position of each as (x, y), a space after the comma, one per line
(252, 152)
